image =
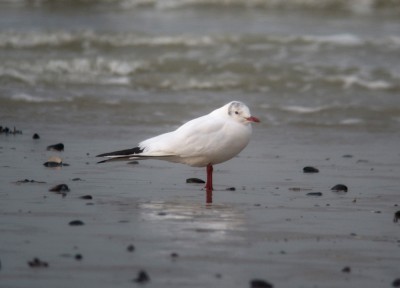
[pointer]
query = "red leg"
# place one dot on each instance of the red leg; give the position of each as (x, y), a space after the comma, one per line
(209, 184)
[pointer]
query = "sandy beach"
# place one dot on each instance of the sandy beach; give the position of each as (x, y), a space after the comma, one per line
(99, 76)
(267, 228)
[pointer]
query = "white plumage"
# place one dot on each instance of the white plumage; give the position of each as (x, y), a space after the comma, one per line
(211, 139)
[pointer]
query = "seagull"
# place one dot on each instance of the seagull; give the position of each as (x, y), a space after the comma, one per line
(202, 142)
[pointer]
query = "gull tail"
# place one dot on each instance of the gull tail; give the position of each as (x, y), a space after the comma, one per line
(121, 155)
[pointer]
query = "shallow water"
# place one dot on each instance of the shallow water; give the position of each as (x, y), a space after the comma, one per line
(329, 64)
(323, 77)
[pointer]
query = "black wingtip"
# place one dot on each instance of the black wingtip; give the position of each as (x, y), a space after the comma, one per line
(126, 152)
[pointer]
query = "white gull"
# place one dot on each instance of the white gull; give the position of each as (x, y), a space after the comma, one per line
(202, 142)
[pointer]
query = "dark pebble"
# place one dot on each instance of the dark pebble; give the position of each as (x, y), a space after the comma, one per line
(133, 162)
(56, 147)
(30, 181)
(339, 188)
(396, 216)
(346, 269)
(161, 213)
(309, 169)
(53, 164)
(37, 263)
(174, 255)
(61, 188)
(260, 284)
(76, 223)
(142, 277)
(130, 248)
(396, 282)
(77, 179)
(347, 156)
(231, 189)
(86, 197)
(35, 136)
(7, 131)
(78, 257)
(314, 194)
(195, 180)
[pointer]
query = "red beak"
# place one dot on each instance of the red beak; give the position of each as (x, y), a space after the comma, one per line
(253, 119)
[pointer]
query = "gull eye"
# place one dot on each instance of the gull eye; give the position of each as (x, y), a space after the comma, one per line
(236, 112)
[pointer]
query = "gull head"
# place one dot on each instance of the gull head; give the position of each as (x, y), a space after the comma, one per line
(240, 112)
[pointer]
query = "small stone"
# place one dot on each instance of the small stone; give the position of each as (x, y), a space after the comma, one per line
(86, 197)
(195, 180)
(35, 136)
(161, 213)
(257, 283)
(346, 269)
(314, 194)
(78, 257)
(29, 181)
(37, 263)
(61, 188)
(339, 188)
(77, 179)
(56, 147)
(310, 169)
(347, 156)
(396, 216)
(174, 255)
(76, 223)
(130, 248)
(396, 282)
(231, 189)
(142, 277)
(53, 161)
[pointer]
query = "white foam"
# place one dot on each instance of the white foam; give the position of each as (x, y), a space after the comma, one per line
(302, 109)
(336, 39)
(29, 98)
(351, 121)
(351, 80)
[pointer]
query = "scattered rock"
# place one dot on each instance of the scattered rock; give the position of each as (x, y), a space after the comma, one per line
(8, 131)
(86, 197)
(76, 223)
(53, 161)
(133, 162)
(339, 188)
(78, 257)
(299, 189)
(396, 282)
(230, 189)
(56, 147)
(35, 136)
(37, 263)
(257, 283)
(347, 156)
(396, 216)
(346, 269)
(142, 277)
(195, 180)
(314, 194)
(29, 181)
(61, 188)
(162, 213)
(174, 255)
(130, 248)
(77, 179)
(310, 169)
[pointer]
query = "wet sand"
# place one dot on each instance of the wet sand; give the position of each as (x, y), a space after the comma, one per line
(267, 228)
